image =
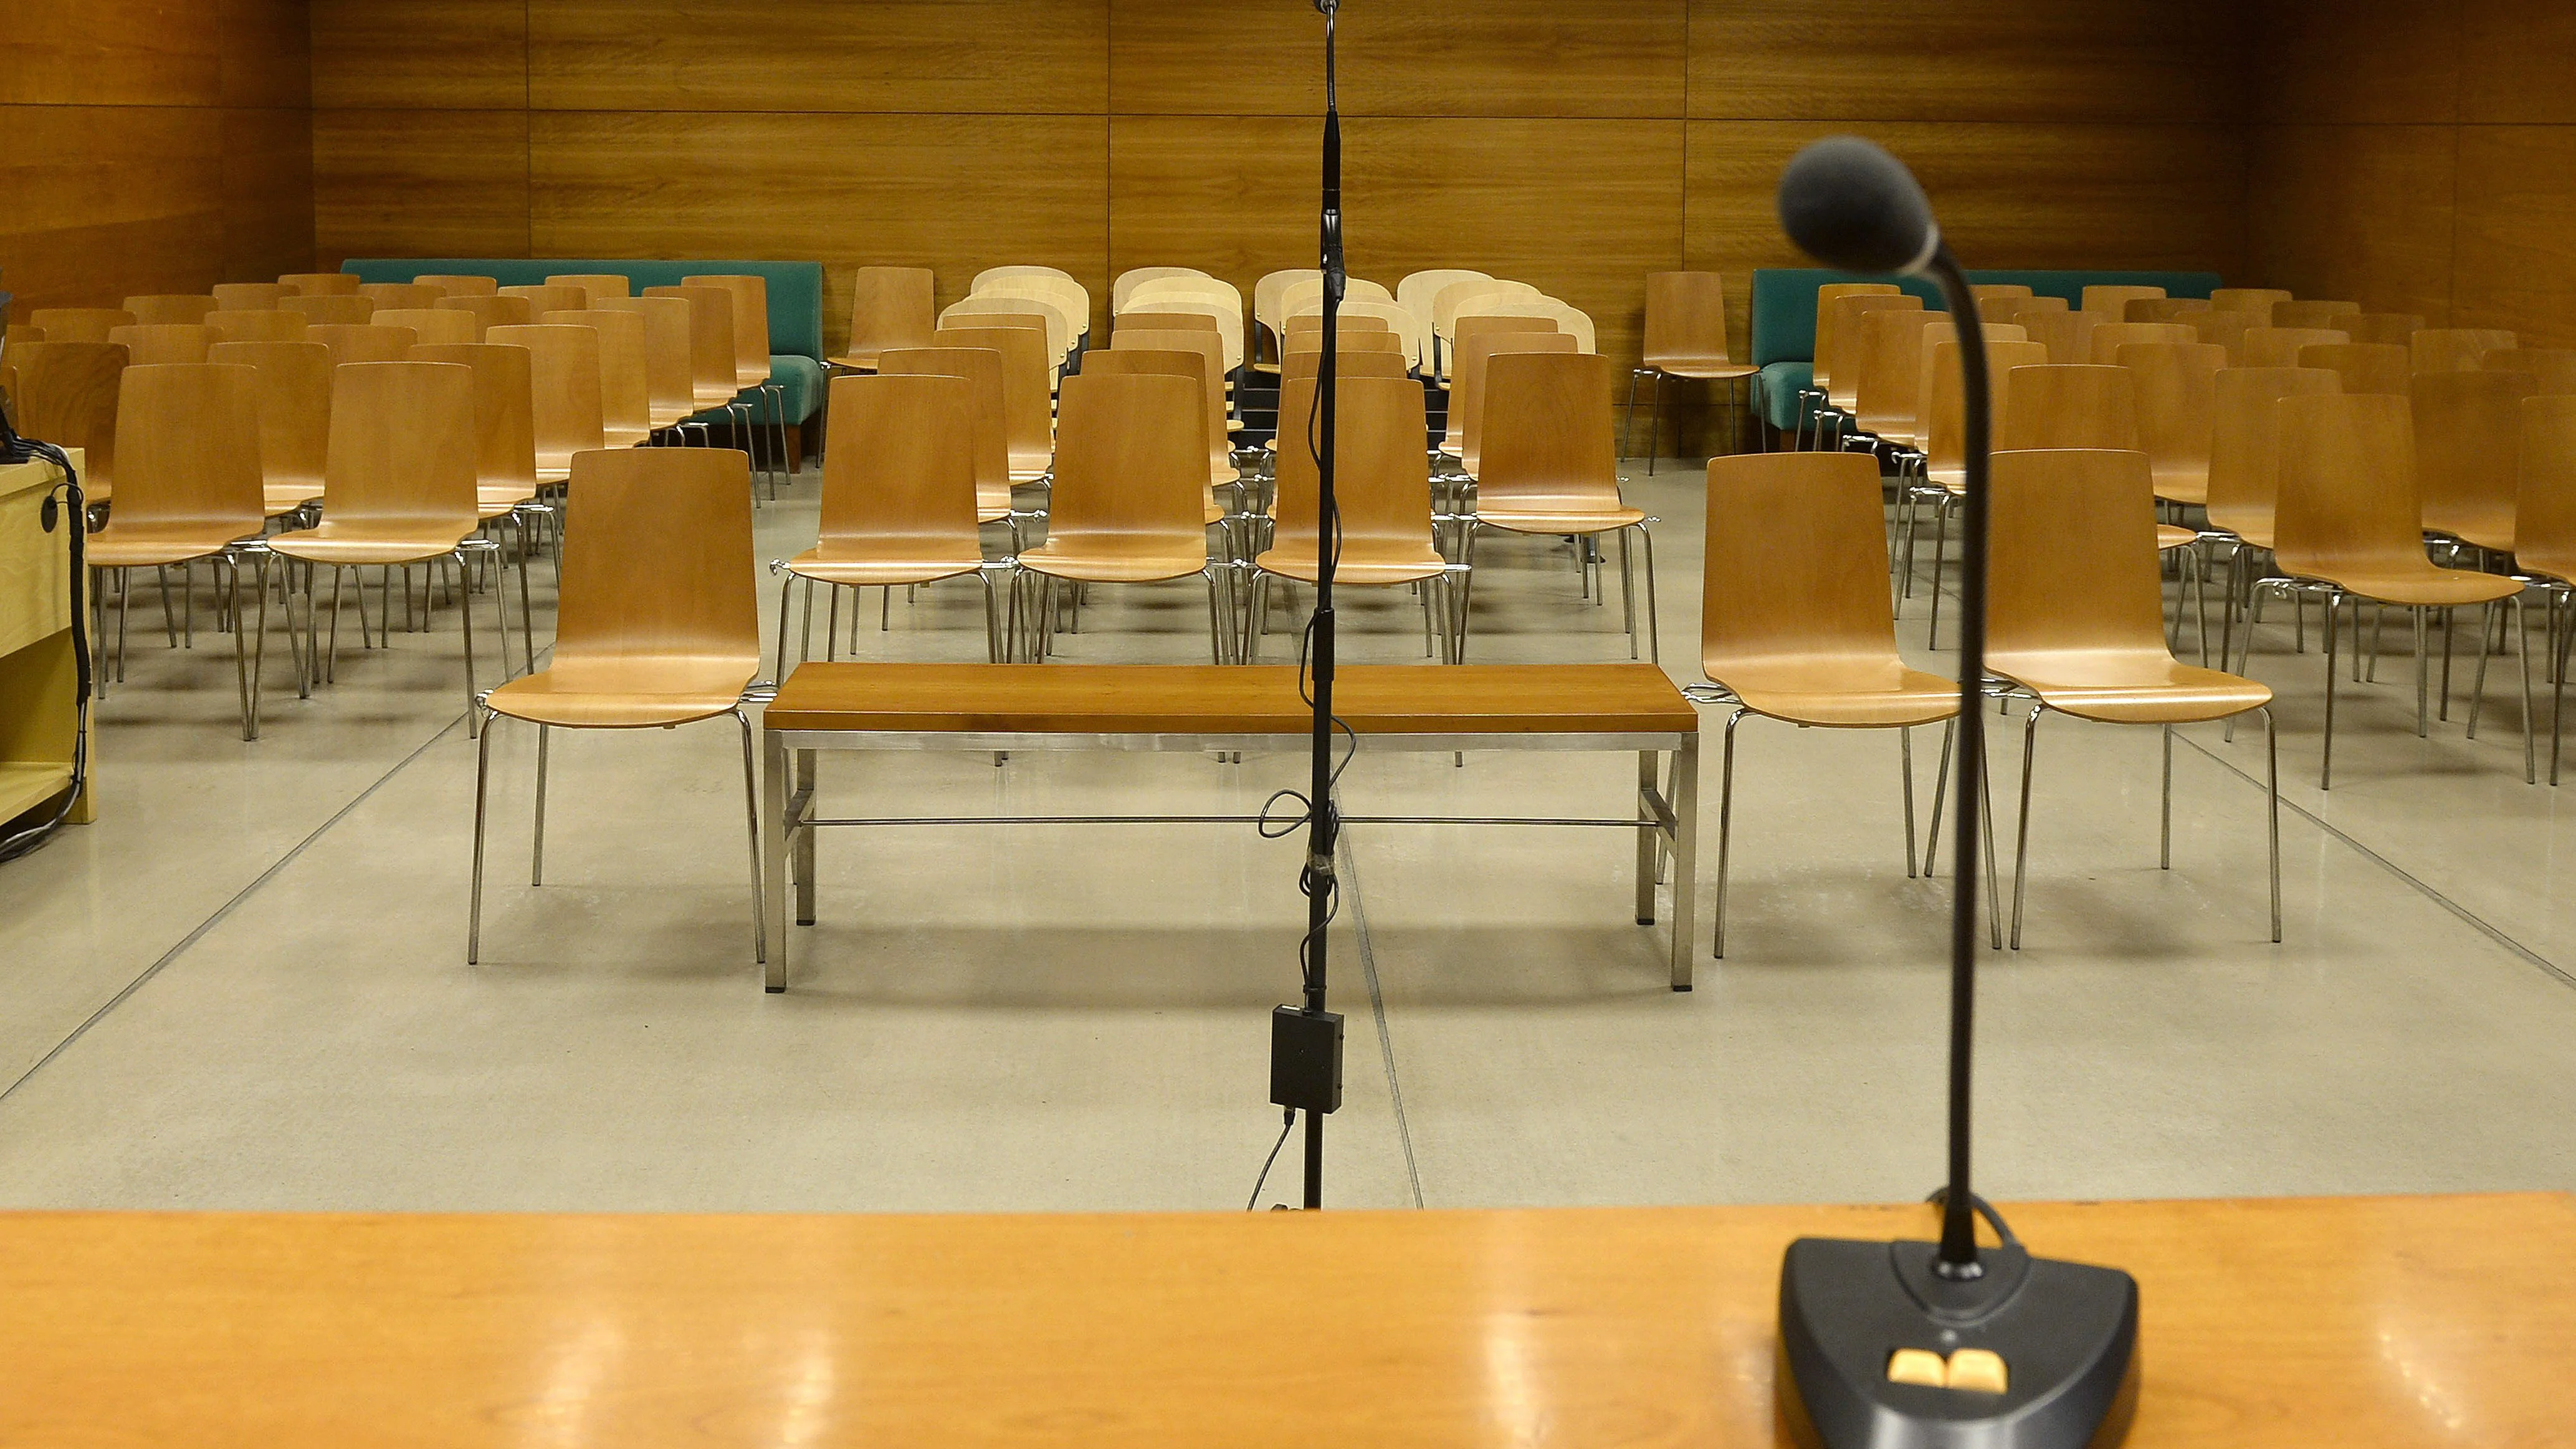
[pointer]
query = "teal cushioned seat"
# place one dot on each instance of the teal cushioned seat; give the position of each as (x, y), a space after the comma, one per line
(795, 302)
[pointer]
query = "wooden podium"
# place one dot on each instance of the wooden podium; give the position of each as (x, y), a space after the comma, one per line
(39, 715)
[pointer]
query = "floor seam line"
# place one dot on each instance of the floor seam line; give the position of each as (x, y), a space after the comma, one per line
(1377, 1009)
(2471, 918)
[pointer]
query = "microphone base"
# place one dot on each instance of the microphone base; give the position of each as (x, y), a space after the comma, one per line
(2067, 1334)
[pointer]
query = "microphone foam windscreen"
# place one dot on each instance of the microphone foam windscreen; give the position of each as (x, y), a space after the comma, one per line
(1849, 204)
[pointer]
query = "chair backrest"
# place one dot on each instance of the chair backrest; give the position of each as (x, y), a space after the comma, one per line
(294, 405)
(2071, 540)
(402, 447)
(668, 377)
(2363, 366)
(980, 370)
(147, 343)
(2452, 349)
(1471, 297)
(750, 292)
(1129, 280)
(1208, 348)
(1547, 435)
(2175, 385)
(410, 295)
(499, 310)
(2311, 312)
(2005, 309)
(2255, 302)
(2552, 369)
(2070, 406)
(1200, 288)
(1842, 335)
(2245, 440)
(1312, 320)
(248, 296)
(2111, 303)
(1570, 320)
(1018, 269)
(2396, 327)
(598, 287)
(2068, 335)
(1131, 476)
(900, 467)
(362, 342)
(459, 284)
(2348, 501)
(2468, 433)
(79, 324)
(320, 284)
(1827, 319)
(505, 425)
(1048, 282)
(1299, 362)
(1025, 418)
(336, 309)
(657, 565)
(2163, 309)
(438, 324)
(187, 449)
(1470, 393)
(67, 396)
(563, 388)
(2281, 346)
(1353, 339)
(1890, 379)
(544, 297)
(2544, 528)
(1942, 424)
(1796, 563)
(710, 338)
(1206, 427)
(1414, 291)
(2109, 337)
(1267, 291)
(2226, 327)
(892, 307)
(1387, 317)
(1381, 476)
(164, 309)
(1228, 322)
(625, 393)
(1310, 290)
(1946, 331)
(1983, 291)
(1192, 320)
(1009, 299)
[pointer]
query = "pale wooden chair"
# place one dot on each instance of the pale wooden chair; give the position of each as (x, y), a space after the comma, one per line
(656, 626)
(505, 454)
(1128, 280)
(1469, 388)
(2245, 470)
(1414, 291)
(2067, 335)
(980, 368)
(459, 284)
(1300, 362)
(711, 350)
(2552, 369)
(1018, 301)
(1889, 384)
(294, 393)
(2312, 313)
(435, 326)
(2255, 302)
(1941, 455)
(335, 309)
(1685, 338)
(1468, 299)
(2545, 537)
(890, 307)
(2164, 309)
(2281, 346)
(2109, 337)
(1842, 336)
(79, 324)
(1210, 352)
(1028, 423)
(2455, 349)
(2111, 302)
(407, 296)
(2176, 389)
(2095, 406)
(1382, 497)
(1569, 319)
(66, 395)
(563, 383)
(544, 297)
(1548, 467)
(167, 309)
(2394, 327)
(597, 287)
(1267, 293)
(1156, 312)
(320, 284)
(2468, 429)
(1815, 399)
(625, 397)
(271, 326)
(670, 378)
(2076, 623)
(503, 311)
(1208, 427)
(362, 342)
(248, 296)
(2363, 366)
(2226, 327)
(148, 343)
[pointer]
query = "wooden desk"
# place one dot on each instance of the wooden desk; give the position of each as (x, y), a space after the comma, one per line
(39, 679)
(2350, 1323)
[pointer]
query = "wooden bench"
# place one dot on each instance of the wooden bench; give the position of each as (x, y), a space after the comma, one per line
(1220, 708)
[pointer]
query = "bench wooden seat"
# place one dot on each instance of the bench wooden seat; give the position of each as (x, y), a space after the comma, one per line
(1407, 707)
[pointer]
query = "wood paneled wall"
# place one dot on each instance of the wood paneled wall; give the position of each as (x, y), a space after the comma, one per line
(152, 146)
(2420, 156)
(1575, 144)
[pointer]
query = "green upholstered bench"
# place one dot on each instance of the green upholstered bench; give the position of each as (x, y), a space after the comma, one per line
(1784, 316)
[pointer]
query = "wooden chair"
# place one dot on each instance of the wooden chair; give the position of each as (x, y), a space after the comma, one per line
(1030, 427)
(2456, 349)
(625, 396)
(501, 311)
(273, 326)
(1305, 362)
(1686, 338)
(505, 456)
(656, 626)
(899, 500)
(334, 309)
(2076, 622)
(1890, 385)
(2256, 302)
(1569, 319)
(2394, 327)
(430, 325)
(1210, 352)
(597, 287)
(1795, 624)
(2111, 303)
(563, 385)
(2545, 536)
(1353, 339)
(459, 284)
(1128, 504)
(2226, 327)
(1842, 337)
(1019, 301)
(2176, 388)
(670, 380)
(248, 296)
(1128, 280)
(400, 477)
(1018, 269)
(1941, 460)
(711, 350)
(1309, 292)
(2468, 428)
(1271, 287)
(294, 393)
(2312, 314)
(1154, 312)
(1414, 291)
(1386, 317)
(2109, 337)
(889, 307)
(16, 333)
(403, 296)
(1063, 290)
(2096, 406)
(2363, 366)
(1207, 427)
(2164, 309)
(1382, 495)
(1548, 468)
(320, 284)
(1814, 398)
(169, 310)
(989, 450)
(2068, 336)
(546, 297)
(1312, 320)
(79, 324)
(363, 342)
(2552, 369)
(2245, 468)
(187, 452)
(67, 396)
(1475, 369)
(1997, 291)
(750, 336)
(2281, 346)
(1469, 299)
(2349, 525)
(148, 343)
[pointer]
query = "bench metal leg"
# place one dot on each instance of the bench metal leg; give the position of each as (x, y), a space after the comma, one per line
(1649, 825)
(1685, 805)
(801, 809)
(773, 859)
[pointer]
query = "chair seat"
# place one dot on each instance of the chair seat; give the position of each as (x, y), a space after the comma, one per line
(664, 415)
(1122, 568)
(1360, 565)
(888, 561)
(2549, 564)
(2183, 485)
(342, 544)
(2479, 522)
(1550, 520)
(856, 361)
(279, 498)
(2169, 535)
(1840, 693)
(2130, 687)
(2431, 587)
(2255, 531)
(500, 500)
(148, 545)
(634, 693)
(615, 437)
(1705, 368)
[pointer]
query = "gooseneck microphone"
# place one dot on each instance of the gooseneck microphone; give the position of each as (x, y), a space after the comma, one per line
(1909, 1345)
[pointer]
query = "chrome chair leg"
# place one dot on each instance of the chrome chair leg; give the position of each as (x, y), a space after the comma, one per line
(2164, 817)
(751, 818)
(1725, 826)
(2272, 788)
(537, 834)
(1654, 618)
(474, 908)
(1905, 764)
(2325, 763)
(2021, 847)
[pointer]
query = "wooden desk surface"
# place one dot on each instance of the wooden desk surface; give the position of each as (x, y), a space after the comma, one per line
(1213, 699)
(2353, 1323)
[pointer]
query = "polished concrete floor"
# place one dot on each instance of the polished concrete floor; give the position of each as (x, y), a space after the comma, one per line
(245, 985)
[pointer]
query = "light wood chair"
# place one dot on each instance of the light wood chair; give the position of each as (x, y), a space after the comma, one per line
(2281, 346)
(2256, 302)
(1385, 317)
(2109, 337)
(272, 326)
(670, 379)
(625, 396)
(1889, 386)
(1309, 292)
(980, 368)
(2350, 525)
(406, 296)
(2076, 623)
(2068, 336)
(2545, 537)
(66, 395)
(1268, 291)
(1306, 361)
(1312, 320)
(2455, 349)
(2363, 366)
(544, 297)
(889, 307)
(505, 458)
(248, 296)
(711, 351)
(899, 500)
(148, 343)
(750, 337)
(1128, 280)
(2176, 388)
(1569, 319)
(1353, 339)
(2002, 308)
(2226, 327)
(1980, 291)
(1548, 467)
(334, 309)
(294, 394)
(1471, 298)
(1019, 301)
(2096, 407)
(1210, 352)
(1190, 321)
(1155, 311)
(657, 625)
(320, 284)
(1795, 624)
(502, 311)
(2111, 303)
(2164, 309)
(1018, 269)
(2552, 369)
(2394, 327)
(19, 332)
(1207, 426)
(1058, 283)
(400, 480)
(2310, 313)
(362, 342)
(1842, 337)
(563, 384)
(1128, 504)
(598, 287)
(1382, 498)
(2245, 469)
(1940, 457)
(430, 325)
(459, 284)
(1469, 391)
(1030, 427)
(1686, 338)
(1815, 400)
(166, 310)
(79, 324)
(1414, 291)
(2468, 432)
